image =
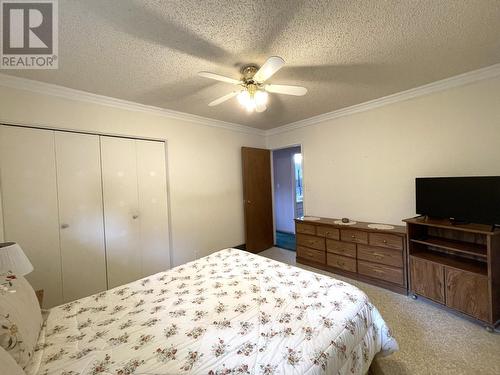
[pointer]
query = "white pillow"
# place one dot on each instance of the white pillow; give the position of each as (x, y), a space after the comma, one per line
(8, 365)
(20, 318)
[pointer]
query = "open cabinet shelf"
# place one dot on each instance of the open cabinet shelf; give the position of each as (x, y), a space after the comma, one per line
(456, 266)
(478, 250)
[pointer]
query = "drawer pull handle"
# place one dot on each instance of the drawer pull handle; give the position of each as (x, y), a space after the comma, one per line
(378, 271)
(384, 241)
(341, 264)
(378, 255)
(353, 236)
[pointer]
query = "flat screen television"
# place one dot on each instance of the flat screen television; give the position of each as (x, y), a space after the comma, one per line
(463, 199)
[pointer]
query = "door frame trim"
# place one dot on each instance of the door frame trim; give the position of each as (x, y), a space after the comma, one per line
(272, 180)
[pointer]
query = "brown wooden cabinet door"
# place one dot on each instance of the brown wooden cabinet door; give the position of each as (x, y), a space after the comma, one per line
(257, 196)
(468, 293)
(427, 279)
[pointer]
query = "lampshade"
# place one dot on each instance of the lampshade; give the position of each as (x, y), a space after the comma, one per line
(12, 258)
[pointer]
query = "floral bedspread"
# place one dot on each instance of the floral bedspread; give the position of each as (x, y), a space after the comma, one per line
(229, 313)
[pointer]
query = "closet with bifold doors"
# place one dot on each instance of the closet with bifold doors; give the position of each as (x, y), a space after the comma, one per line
(89, 211)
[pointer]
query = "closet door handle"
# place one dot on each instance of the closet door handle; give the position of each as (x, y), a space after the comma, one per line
(64, 226)
(135, 217)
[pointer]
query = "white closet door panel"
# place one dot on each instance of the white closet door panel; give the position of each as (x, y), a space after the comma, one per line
(29, 197)
(152, 184)
(121, 212)
(80, 214)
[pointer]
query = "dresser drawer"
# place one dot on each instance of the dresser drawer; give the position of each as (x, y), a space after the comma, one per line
(310, 254)
(379, 271)
(352, 235)
(313, 242)
(338, 261)
(380, 255)
(341, 248)
(328, 232)
(390, 241)
(305, 228)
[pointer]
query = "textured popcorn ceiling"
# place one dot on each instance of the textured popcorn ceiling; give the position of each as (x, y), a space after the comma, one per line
(344, 52)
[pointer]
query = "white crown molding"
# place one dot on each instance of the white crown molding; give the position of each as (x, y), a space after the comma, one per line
(447, 83)
(72, 94)
(67, 93)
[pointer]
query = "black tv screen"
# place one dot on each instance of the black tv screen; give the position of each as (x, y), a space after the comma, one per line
(468, 199)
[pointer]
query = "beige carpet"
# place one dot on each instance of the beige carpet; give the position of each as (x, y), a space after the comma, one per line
(432, 340)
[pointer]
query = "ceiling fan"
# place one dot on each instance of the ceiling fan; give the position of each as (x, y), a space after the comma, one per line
(254, 92)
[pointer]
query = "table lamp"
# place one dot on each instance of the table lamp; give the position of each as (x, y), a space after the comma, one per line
(12, 258)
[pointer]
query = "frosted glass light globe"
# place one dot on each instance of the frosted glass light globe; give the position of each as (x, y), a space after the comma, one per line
(261, 98)
(250, 105)
(244, 97)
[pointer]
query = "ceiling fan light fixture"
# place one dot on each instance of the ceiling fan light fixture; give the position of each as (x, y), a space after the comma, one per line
(250, 106)
(243, 97)
(261, 98)
(260, 108)
(246, 100)
(253, 101)
(253, 96)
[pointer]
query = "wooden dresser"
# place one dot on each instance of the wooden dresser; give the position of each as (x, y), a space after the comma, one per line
(356, 251)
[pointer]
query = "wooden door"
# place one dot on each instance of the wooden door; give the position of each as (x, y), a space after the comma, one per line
(121, 210)
(257, 199)
(427, 279)
(80, 214)
(468, 293)
(153, 214)
(29, 198)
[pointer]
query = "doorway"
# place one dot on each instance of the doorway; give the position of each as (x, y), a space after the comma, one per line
(288, 194)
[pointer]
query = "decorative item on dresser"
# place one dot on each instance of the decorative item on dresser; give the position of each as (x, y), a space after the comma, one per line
(376, 256)
(457, 266)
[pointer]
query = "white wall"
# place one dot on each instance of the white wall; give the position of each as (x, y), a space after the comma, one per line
(1, 219)
(284, 190)
(363, 165)
(204, 163)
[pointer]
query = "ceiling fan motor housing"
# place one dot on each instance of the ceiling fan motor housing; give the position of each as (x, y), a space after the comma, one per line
(248, 72)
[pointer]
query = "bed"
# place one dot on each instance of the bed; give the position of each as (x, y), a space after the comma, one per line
(228, 313)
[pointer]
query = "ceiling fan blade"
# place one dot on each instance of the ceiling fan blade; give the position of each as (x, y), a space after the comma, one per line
(218, 77)
(222, 99)
(286, 89)
(271, 66)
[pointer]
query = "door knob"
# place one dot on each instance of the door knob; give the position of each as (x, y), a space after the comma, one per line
(64, 226)
(135, 216)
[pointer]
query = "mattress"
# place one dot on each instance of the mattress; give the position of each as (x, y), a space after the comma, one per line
(228, 313)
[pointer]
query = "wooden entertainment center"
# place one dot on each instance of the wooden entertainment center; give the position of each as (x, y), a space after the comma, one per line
(356, 251)
(457, 266)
